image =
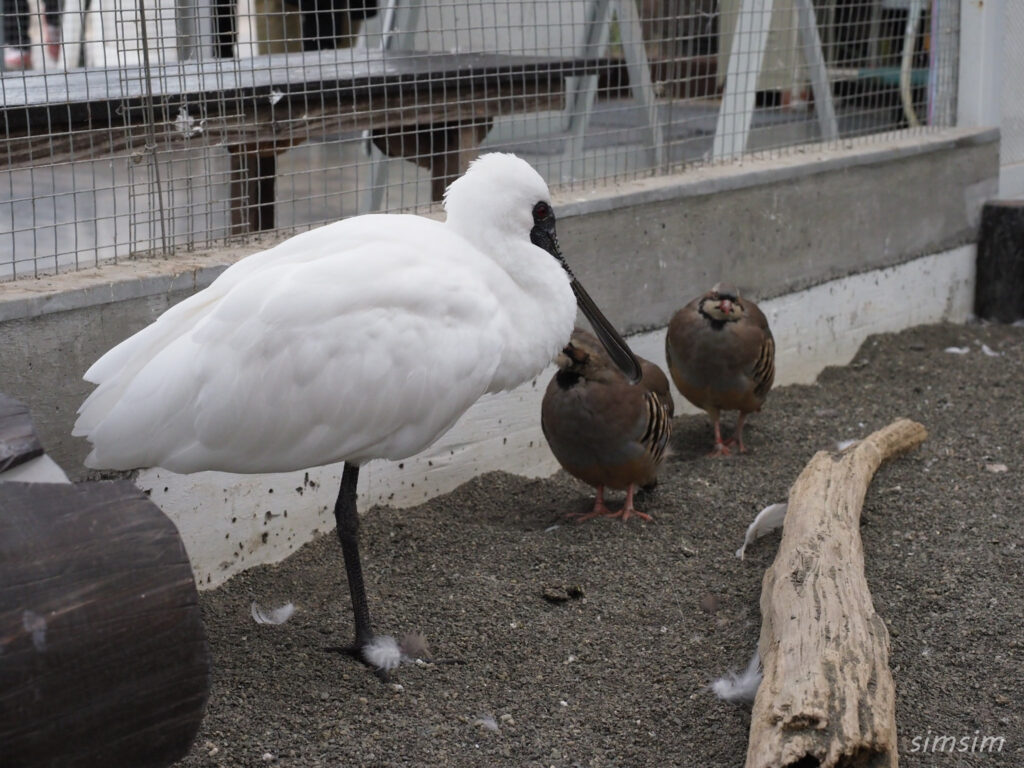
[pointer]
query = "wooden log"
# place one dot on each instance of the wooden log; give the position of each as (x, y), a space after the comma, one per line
(103, 655)
(827, 697)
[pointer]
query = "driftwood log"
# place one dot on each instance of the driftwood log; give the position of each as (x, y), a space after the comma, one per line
(103, 655)
(827, 695)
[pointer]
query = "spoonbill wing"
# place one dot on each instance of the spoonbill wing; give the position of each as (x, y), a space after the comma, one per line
(303, 360)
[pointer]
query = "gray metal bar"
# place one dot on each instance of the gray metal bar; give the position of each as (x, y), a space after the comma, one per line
(639, 69)
(398, 30)
(815, 59)
(581, 91)
(746, 57)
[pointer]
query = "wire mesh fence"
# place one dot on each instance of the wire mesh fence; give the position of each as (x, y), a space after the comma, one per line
(1011, 147)
(135, 128)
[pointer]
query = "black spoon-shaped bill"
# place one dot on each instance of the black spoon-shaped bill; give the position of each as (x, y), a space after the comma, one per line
(617, 348)
(543, 235)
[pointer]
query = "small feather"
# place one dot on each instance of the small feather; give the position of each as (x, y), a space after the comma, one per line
(279, 615)
(842, 445)
(989, 351)
(742, 687)
(957, 350)
(767, 520)
(383, 653)
(414, 646)
(486, 722)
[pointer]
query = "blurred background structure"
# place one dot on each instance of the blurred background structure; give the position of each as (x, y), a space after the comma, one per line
(135, 129)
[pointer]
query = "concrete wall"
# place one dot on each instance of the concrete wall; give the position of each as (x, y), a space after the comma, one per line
(773, 227)
(838, 244)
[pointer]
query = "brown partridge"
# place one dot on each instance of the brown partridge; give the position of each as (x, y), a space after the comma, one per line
(602, 429)
(721, 355)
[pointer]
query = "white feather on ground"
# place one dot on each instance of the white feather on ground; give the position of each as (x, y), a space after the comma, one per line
(740, 687)
(486, 722)
(957, 350)
(384, 652)
(767, 520)
(263, 615)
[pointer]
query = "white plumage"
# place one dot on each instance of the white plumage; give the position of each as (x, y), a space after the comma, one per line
(360, 340)
(363, 339)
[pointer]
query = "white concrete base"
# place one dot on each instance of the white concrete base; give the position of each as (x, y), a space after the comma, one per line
(232, 522)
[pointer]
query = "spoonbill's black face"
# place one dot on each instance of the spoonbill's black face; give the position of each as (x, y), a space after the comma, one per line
(543, 233)
(543, 236)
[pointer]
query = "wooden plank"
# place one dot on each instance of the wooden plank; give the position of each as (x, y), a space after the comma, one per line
(18, 440)
(103, 656)
(92, 98)
(270, 125)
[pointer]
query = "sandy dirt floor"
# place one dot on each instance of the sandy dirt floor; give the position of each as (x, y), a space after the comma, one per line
(617, 673)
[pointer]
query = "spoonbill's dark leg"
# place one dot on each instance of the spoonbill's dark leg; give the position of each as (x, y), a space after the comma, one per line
(347, 517)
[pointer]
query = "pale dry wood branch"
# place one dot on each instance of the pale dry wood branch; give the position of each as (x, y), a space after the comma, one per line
(827, 697)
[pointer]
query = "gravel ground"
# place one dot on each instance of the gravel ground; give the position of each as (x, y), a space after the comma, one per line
(617, 673)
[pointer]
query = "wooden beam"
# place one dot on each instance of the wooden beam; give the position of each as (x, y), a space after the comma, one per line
(253, 188)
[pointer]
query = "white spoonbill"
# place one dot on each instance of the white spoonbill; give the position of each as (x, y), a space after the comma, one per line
(363, 339)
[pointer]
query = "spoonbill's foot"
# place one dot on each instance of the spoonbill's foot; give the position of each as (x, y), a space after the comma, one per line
(357, 651)
(383, 653)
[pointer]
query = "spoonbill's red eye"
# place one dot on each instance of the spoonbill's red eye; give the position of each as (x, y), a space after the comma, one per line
(541, 211)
